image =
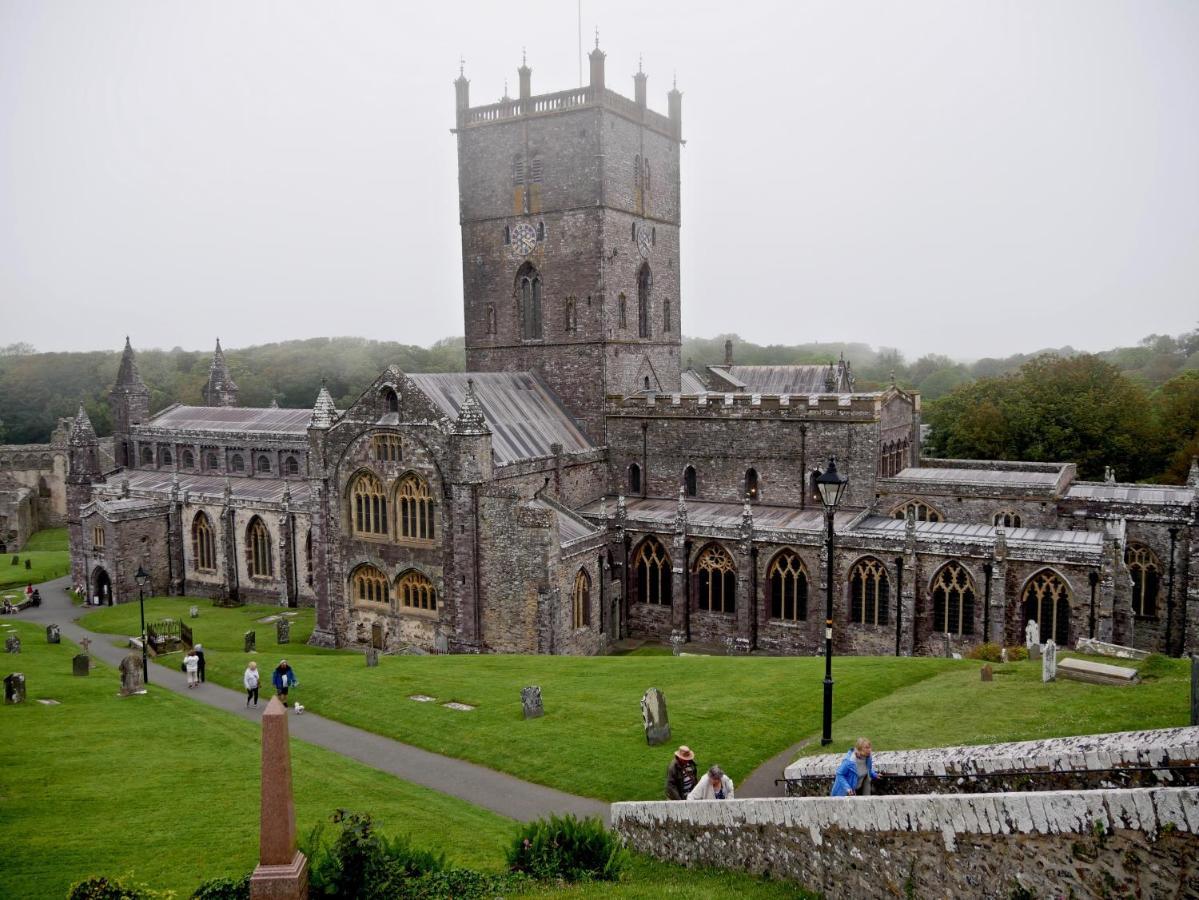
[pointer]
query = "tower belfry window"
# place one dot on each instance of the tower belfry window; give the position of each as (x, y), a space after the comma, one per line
(528, 288)
(518, 170)
(535, 170)
(645, 286)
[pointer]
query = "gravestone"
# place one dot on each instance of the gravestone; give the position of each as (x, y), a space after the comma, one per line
(14, 688)
(1003, 654)
(250, 640)
(1034, 651)
(28, 563)
(530, 701)
(1096, 673)
(677, 639)
(194, 612)
(653, 715)
(987, 674)
(1032, 634)
(377, 636)
(282, 871)
(283, 631)
(1049, 662)
(948, 648)
(131, 676)
(372, 657)
(12, 643)
(81, 664)
(53, 635)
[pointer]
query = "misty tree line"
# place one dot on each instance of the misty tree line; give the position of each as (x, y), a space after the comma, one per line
(1134, 408)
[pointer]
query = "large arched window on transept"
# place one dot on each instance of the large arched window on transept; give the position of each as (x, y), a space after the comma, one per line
(869, 592)
(369, 585)
(414, 508)
(203, 543)
(953, 600)
(1146, 571)
(414, 591)
(581, 600)
(715, 581)
(651, 567)
(1047, 602)
(788, 581)
(368, 505)
(528, 296)
(645, 288)
(259, 556)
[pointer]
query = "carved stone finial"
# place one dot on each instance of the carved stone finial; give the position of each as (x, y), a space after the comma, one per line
(470, 414)
(596, 37)
(323, 411)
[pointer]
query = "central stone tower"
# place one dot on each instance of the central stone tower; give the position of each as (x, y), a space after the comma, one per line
(569, 204)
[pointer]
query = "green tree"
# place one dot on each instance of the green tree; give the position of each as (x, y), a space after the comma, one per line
(1176, 404)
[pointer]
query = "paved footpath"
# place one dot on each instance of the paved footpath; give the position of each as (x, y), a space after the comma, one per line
(476, 784)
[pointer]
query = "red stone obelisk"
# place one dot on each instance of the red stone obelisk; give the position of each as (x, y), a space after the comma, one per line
(282, 871)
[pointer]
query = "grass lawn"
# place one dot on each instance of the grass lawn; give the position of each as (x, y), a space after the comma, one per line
(735, 711)
(46, 550)
(957, 707)
(167, 789)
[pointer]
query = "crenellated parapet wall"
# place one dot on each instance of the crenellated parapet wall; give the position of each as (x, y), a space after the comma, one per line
(1140, 842)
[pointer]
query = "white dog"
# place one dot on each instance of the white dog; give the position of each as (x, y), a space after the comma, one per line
(299, 707)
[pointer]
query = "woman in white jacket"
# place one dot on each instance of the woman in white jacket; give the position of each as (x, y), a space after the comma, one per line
(713, 786)
(250, 680)
(191, 665)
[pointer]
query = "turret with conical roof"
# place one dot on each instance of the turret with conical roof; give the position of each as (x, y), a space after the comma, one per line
(470, 439)
(83, 470)
(129, 401)
(323, 411)
(221, 389)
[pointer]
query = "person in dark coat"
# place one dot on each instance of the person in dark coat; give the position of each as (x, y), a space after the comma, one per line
(199, 651)
(284, 679)
(681, 774)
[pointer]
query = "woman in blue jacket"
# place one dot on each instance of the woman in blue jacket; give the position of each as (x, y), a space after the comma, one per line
(283, 678)
(856, 772)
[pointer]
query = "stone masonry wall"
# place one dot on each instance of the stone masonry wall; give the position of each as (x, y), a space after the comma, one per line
(1141, 842)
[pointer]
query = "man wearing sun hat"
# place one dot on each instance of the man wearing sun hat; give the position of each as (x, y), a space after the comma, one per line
(681, 774)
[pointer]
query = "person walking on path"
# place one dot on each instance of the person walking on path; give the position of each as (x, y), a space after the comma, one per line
(284, 679)
(250, 680)
(855, 775)
(713, 786)
(681, 774)
(191, 665)
(199, 651)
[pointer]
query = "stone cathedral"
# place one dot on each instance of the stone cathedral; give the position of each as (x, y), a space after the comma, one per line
(578, 485)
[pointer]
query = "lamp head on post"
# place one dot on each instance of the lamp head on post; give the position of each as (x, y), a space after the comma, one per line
(142, 577)
(831, 485)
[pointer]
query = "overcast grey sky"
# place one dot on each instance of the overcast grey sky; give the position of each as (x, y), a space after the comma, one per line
(973, 178)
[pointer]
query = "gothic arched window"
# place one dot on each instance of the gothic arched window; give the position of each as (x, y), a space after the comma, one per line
(415, 506)
(368, 505)
(634, 479)
(187, 459)
(571, 320)
(922, 511)
(259, 557)
(293, 466)
(415, 591)
(203, 544)
(788, 579)
(581, 600)
(528, 292)
(751, 484)
(491, 318)
(690, 481)
(645, 287)
(237, 464)
(1146, 571)
(264, 463)
(369, 585)
(147, 456)
(387, 448)
(651, 567)
(869, 592)
(1005, 518)
(1047, 602)
(666, 316)
(392, 399)
(953, 600)
(715, 581)
(211, 463)
(623, 310)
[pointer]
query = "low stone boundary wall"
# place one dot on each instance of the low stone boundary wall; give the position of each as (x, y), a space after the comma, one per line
(1157, 748)
(1141, 842)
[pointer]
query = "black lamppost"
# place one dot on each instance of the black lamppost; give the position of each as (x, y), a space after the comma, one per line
(832, 487)
(142, 577)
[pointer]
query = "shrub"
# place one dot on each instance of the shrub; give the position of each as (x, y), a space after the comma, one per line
(1017, 653)
(462, 884)
(989, 652)
(567, 848)
(1155, 665)
(362, 863)
(99, 887)
(223, 889)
